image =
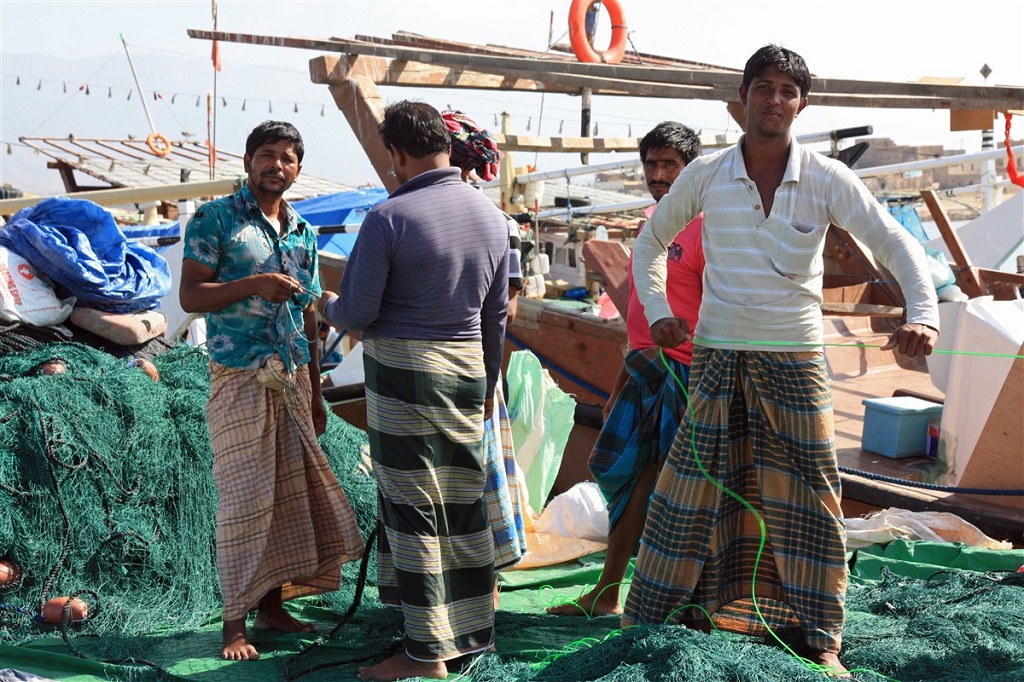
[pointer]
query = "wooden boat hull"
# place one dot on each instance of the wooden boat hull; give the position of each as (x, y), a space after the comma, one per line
(583, 353)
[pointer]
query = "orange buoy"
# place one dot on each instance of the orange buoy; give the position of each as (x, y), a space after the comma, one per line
(53, 609)
(147, 367)
(10, 574)
(161, 149)
(578, 33)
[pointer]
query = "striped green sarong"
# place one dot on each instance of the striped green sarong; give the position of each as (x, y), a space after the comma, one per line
(762, 426)
(424, 408)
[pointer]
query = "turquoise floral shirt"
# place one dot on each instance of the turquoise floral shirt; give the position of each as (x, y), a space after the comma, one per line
(233, 237)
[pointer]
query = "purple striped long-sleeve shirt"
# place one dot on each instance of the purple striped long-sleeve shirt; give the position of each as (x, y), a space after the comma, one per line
(430, 263)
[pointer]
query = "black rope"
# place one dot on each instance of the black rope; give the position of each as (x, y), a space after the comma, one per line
(930, 486)
(288, 675)
(131, 661)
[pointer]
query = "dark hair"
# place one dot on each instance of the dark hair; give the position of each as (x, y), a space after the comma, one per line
(270, 132)
(414, 127)
(673, 136)
(785, 60)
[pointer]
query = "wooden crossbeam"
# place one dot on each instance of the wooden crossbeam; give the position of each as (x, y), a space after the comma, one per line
(966, 274)
(863, 93)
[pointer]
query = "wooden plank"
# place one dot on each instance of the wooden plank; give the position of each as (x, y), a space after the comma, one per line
(335, 70)
(1005, 286)
(431, 75)
(966, 275)
(535, 143)
(423, 75)
(611, 261)
(134, 195)
(913, 95)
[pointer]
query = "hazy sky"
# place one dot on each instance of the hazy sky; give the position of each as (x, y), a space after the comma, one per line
(867, 39)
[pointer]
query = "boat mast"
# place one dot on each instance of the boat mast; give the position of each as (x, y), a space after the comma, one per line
(152, 127)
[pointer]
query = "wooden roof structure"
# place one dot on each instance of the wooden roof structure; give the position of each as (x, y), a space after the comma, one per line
(117, 163)
(354, 68)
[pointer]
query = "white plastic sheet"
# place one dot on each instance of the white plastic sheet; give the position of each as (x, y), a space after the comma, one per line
(899, 524)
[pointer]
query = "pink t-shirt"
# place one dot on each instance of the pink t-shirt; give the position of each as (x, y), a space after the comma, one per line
(684, 289)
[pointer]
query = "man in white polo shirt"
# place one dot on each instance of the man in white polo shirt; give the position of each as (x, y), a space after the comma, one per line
(761, 421)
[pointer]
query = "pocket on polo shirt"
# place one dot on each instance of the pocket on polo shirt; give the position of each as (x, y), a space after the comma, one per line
(795, 247)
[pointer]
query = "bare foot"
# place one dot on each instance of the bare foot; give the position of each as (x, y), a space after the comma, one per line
(400, 666)
(597, 602)
(236, 646)
(276, 618)
(831, 661)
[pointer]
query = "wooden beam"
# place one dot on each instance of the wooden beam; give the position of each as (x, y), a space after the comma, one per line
(431, 75)
(506, 169)
(907, 95)
(533, 143)
(135, 195)
(966, 274)
(363, 107)
(1005, 286)
(333, 69)
(738, 113)
(340, 72)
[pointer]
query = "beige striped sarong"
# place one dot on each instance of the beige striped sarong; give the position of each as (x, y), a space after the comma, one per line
(282, 518)
(762, 426)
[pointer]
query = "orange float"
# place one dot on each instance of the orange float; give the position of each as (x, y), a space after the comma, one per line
(10, 574)
(578, 32)
(161, 149)
(53, 610)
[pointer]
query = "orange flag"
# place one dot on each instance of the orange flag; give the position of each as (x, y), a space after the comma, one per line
(215, 52)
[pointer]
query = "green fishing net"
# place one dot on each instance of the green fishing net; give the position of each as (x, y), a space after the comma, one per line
(106, 486)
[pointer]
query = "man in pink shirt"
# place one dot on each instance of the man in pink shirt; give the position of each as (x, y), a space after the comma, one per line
(643, 412)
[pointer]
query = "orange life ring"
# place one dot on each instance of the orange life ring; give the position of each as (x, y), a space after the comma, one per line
(578, 33)
(163, 149)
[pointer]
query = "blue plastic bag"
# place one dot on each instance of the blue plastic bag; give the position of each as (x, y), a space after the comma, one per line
(77, 244)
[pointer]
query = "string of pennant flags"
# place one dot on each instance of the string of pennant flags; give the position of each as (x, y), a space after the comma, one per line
(244, 103)
(88, 88)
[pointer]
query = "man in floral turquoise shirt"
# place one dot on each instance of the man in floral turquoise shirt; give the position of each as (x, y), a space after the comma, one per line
(284, 525)
(245, 333)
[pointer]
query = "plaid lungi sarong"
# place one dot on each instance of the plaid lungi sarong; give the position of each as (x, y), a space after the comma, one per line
(424, 410)
(762, 426)
(501, 491)
(641, 426)
(282, 517)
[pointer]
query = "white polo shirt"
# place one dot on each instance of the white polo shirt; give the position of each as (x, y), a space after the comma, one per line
(763, 279)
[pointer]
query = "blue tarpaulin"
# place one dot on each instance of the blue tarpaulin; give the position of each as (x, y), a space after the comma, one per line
(79, 246)
(338, 216)
(907, 216)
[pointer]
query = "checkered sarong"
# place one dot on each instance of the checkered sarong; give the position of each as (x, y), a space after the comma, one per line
(762, 427)
(641, 426)
(282, 518)
(501, 493)
(424, 409)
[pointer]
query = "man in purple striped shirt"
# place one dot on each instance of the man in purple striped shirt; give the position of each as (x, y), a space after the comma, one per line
(427, 285)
